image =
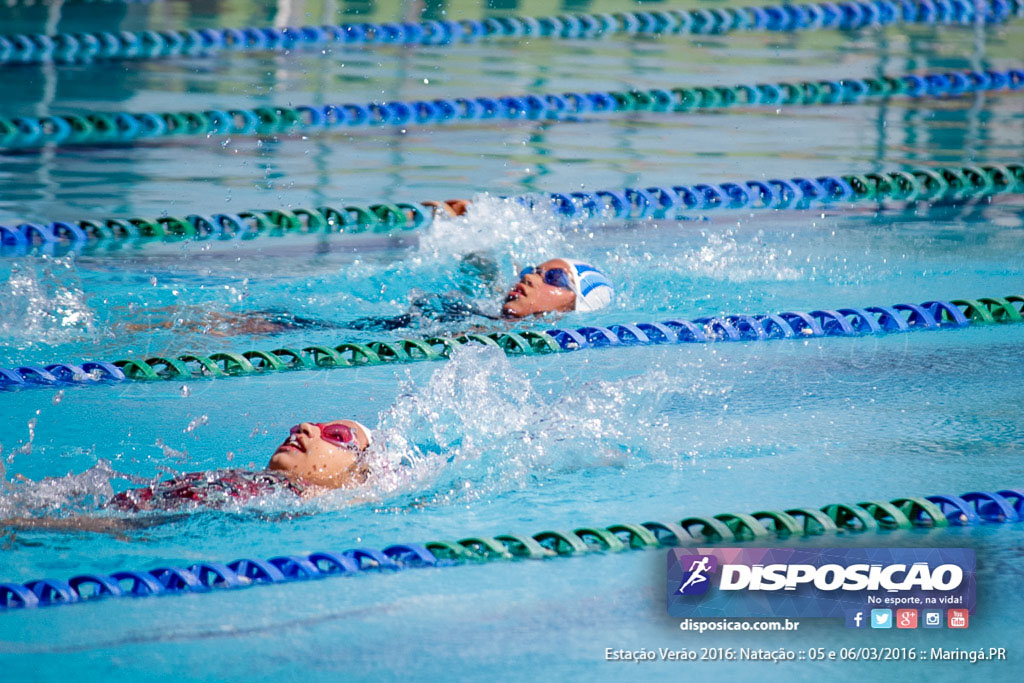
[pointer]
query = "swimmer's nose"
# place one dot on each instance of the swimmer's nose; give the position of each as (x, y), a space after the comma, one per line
(309, 429)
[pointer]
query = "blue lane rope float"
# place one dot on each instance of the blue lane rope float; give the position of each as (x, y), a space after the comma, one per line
(922, 184)
(843, 322)
(972, 508)
(115, 128)
(34, 3)
(911, 185)
(855, 14)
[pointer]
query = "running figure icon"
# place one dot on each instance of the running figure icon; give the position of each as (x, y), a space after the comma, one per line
(698, 570)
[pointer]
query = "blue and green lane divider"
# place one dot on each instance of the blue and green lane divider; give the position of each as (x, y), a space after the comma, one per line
(1005, 506)
(150, 44)
(843, 322)
(119, 128)
(919, 184)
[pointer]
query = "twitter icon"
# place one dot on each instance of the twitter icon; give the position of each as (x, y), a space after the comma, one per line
(881, 618)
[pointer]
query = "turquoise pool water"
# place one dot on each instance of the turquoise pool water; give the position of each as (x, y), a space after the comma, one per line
(501, 445)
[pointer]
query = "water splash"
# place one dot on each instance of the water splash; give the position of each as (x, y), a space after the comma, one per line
(26, 447)
(171, 454)
(723, 256)
(477, 254)
(499, 227)
(44, 303)
(478, 427)
(57, 496)
(533, 235)
(196, 423)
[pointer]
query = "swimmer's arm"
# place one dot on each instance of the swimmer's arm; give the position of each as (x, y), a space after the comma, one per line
(216, 323)
(101, 525)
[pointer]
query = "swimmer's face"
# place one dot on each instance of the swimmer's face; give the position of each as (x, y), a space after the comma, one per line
(328, 454)
(535, 293)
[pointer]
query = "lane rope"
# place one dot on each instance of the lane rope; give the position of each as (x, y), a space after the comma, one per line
(921, 184)
(149, 44)
(117, 128)
(842, 322)
(972, 508)
(911, 185)
(373, 218)
(45, 3)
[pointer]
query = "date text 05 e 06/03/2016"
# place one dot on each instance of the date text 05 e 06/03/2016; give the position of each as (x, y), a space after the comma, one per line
(853, 654)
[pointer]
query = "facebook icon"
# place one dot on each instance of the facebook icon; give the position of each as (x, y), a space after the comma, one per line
(855, 618)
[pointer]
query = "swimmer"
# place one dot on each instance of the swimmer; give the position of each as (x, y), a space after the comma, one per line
(315, 458)
(558, 285)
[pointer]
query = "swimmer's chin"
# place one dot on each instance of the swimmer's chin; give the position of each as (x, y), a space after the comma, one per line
(509, 312)
(281, 460)
(511, 309)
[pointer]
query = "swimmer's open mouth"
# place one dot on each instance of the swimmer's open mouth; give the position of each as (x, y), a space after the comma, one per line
(515, 292)
(293, 443)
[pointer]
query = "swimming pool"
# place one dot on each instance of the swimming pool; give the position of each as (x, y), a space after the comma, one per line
(500, 444)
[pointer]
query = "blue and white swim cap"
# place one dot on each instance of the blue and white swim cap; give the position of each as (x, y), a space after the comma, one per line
(592, 289)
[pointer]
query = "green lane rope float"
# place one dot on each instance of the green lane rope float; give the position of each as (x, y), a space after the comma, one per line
(85, 47)
(929, 315)
(913, 185)
(975, 507)
(99, 128)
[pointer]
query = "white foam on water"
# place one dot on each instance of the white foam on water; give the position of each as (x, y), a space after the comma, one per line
(57, 496)
(478, 426)
(43, 303)
(495, 226)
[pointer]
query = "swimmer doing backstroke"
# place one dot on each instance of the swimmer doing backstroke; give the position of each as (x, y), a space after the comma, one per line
(557, 285)
(315, 458)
